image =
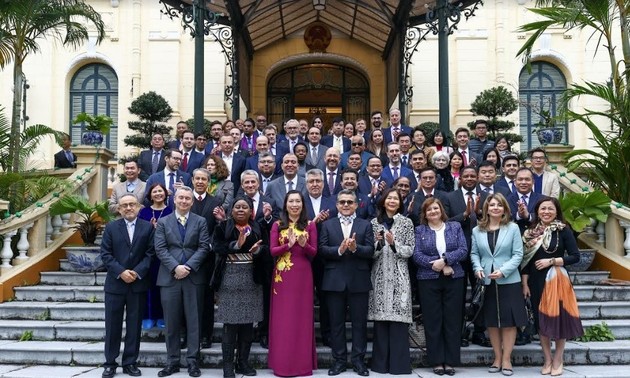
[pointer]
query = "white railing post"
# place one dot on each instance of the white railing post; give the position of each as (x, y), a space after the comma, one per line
(626, 243)
(65, 221)
(23, 245)
(56, 225)
(49, 230)
(601, 232)
(7, 253)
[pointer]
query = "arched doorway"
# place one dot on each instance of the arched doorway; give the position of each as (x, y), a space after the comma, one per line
(326, 90)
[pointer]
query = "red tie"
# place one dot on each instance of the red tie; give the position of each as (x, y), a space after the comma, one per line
(200, 198)
(185, 161)
(464, 159)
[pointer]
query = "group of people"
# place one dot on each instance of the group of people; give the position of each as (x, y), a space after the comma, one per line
(263, 226)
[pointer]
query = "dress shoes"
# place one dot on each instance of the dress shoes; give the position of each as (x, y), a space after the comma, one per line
(482, 340)
(169, 370)
(132, 370)
(337, 368)
(206, 343)
(193, 370)
(109, 372)
(361, 369)
(522, 339)
(465, 343)
(264, 341)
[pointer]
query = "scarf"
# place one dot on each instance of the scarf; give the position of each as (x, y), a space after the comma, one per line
(534, 238)
(212, 186)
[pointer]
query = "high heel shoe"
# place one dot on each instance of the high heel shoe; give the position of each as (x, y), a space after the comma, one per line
(546, 370)
(557, 371)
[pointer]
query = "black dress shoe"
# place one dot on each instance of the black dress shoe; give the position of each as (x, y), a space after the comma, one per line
(169, 370)
(206, 343)
(193, 370)
(264, 341)
(481, 340)
(465, 343)
(183, 343)
(337, 368)
(132, 370)
(361, 369)
(109, 372)
(522, 340)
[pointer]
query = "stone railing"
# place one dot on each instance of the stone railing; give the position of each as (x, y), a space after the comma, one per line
(612, 237)
(39, 233)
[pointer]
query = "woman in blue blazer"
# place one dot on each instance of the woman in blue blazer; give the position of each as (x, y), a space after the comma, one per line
(439, 250)
(497, 251)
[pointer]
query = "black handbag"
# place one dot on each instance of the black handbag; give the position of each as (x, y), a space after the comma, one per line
(217, 275)
(476, 302)
(530, 327)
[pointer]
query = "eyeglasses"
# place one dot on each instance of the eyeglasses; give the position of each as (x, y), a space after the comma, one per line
(428, 178)
(538, 158)
(127, 205)
(345, 202)
(200, 139)
(265, 162)
(357, 144)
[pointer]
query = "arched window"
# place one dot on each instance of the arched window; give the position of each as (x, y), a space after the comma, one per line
(539, 90)
(94, 90)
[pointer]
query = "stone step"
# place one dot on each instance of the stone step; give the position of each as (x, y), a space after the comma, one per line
(602, 293)
(58, 293)
(588, 278)
(154, 354)
(72, 278)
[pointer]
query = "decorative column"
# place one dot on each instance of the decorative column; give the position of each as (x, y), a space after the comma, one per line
(626, 243)
(7, 254)
(23, 244)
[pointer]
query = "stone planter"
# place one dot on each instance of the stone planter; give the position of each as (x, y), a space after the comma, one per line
(549, 135)
(84, 259)
(586, 259)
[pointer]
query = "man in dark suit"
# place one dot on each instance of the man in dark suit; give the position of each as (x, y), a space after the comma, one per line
(427, 189)
(179, 131)
(235, 162)
(366, 204)
(216, 130)
(462, 137)
(391, 133)
(523, 202)
(204, 205)
(292, 133)
(182, 244)
(336, 139)
(152, 160)
(373, 183)
(347, 244)
(247, 143)
(487, 173)
(395, 168)
(332, 173)
(191, 159)
(510, 165)
(126, 250)
(171, 176)
(65, 158)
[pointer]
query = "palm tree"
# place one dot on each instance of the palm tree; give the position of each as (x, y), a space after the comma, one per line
(607, 20)
(22, 24)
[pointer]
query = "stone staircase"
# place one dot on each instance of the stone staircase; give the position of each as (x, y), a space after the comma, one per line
(63, 316)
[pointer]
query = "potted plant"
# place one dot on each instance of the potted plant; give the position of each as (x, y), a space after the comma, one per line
(92, 219)
(579, 210)
(547, 132)
(95, 127)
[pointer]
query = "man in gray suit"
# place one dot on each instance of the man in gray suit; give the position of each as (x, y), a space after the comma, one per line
(316, 151)
(290, 180)
(182, 243)
(132, 184)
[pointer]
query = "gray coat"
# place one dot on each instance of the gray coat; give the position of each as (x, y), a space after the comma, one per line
(390, 298)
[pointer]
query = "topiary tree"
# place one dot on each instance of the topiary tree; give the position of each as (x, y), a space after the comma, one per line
(153, 110)
(207, 126)
(494, 103)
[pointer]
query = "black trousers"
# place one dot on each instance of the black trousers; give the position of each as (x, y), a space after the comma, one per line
(390, 351)
(358, 304)
(115, 307)
(207, 320)
(441, 298)
(318, 275)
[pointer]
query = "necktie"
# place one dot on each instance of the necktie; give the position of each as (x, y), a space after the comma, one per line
(185, 161)
(395, 172)
(265, 182)
(524, 199)
(155, 162)
(171, 183)
(289, 186)
(487, 190)
(130, 229)
(512, 188)
(200, 198)
(464, 159)
(473, 215)
(69, 157)
(131, 187)
(404, 160)
(331, 182)
(338, 144)
(429, 195)
(182, 221)
(292, 145)
(314, 155)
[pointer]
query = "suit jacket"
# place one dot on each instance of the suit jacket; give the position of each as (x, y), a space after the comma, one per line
(503, 183)
(173, 251)
(550, 184)
(327, 203)
(365, 184)
(243, 146)
(120, 189)
(507, 256)
(145, 162)
(337, 187)
(204, 209)
(388, 176)
(195, 160)
(319, 162)
(455, 212)
(496, 189)
(365, 156)
(387, 132)
(277, 189)
(418, 200)
(61, 161)
(225, 193)
(350, 271)
(120, 254)
(238, 166)
(531, 205)
(474, 157)
(158, 177)
(426, 250)
(251, 162)
(328, 140)
(284, 145)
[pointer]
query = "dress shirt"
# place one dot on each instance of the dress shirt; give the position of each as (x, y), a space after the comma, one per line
(265, 182)
(317, 204)
(200, 196)
(130, 228)
(229, 159)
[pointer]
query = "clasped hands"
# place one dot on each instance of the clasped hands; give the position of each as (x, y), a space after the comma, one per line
(493, 276)
(348, 244)
(181, 272)
(470, 207)
(387, 235)
(439, 265)
(301, 239)
(128, 276)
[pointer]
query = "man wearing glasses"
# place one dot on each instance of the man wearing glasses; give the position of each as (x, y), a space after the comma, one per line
(347, 245)
(545, 182)
(357, 146)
